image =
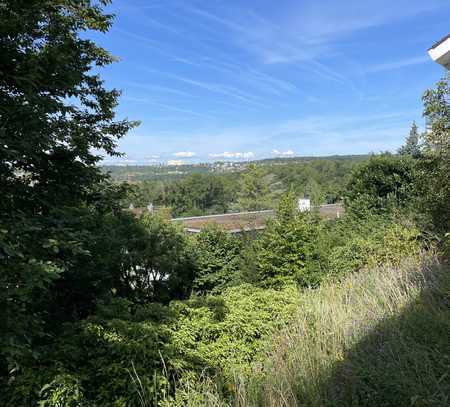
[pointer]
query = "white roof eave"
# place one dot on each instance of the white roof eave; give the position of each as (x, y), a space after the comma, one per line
(441, 54)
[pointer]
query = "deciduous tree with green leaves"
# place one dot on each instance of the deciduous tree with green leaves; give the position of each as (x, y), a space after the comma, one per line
(434, 168)
(217, 260)
(56, 119)
(254, 191)
(162, 265)
(382, 183)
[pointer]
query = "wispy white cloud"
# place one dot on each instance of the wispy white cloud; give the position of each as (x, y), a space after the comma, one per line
(226, 90)
(306, 33)
(166, 106)
(404, 63)
(184, 154)
(230, 91)
(157, 24)
(235, 155)
(312, 135)
(287, 153)
(156, 88)
(176, 162)
(330, 134)
(217, 19)
(220, 62)
(249, 76)
(158, 47)
(273, 43)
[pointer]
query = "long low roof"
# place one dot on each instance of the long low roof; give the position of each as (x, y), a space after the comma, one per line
(246, 221)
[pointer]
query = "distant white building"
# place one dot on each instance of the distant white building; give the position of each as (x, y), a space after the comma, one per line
(440, 52)
(304, 204)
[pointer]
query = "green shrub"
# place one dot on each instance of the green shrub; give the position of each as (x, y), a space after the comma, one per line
(230, 332)
(382, 183)
(217, 255)
(290, 250)
(447, 246)
(63, 391)
(125, 352)
(386, 244)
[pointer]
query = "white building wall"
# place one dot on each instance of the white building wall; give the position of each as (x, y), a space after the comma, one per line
(304, 204)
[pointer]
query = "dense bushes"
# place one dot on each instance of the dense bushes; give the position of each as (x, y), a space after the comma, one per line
(197, 194)
(227, 332)
(94, 359)
(383, 182)
(217, 260)
(376, 242)
(379, 337)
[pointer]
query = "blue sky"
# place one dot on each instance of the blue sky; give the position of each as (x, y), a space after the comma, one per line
(240, 79)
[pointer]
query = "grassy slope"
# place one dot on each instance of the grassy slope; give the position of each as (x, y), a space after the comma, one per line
(379, 338)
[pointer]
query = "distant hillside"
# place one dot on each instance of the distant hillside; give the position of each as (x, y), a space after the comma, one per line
(137, 173)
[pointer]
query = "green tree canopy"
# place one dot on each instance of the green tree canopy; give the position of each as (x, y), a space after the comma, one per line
(254, 191)
(56, 118)
(380, 183)
(437, 112)
(162, 265)
(217, 260)
(198, 194)
(55, 111)
(288, 251)
(434, 168)
(411, 146)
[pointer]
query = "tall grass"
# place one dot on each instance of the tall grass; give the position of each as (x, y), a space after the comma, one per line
(380, 337)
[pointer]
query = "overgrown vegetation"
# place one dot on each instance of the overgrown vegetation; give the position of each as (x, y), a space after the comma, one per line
(379, 337)
(101, 308)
